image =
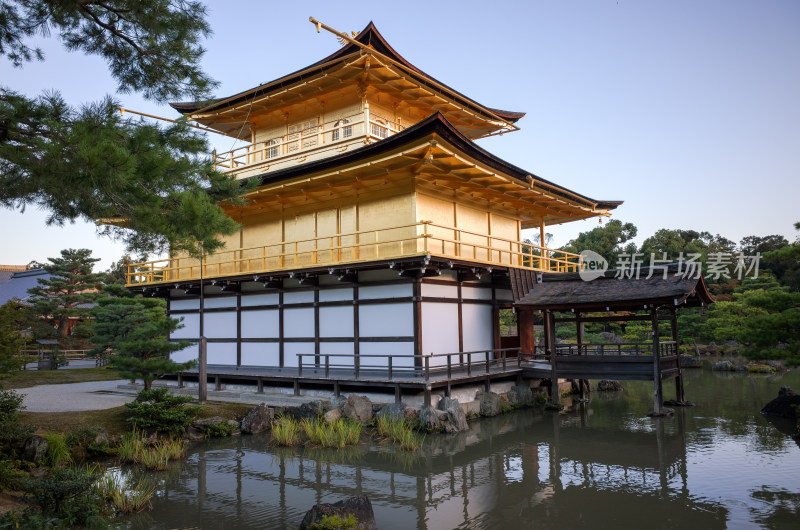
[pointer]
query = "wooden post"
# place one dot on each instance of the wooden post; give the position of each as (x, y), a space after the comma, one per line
(527, 337)
(546, 263)
(550, 333)
(679, 395)
(657, 397)
(582, 383)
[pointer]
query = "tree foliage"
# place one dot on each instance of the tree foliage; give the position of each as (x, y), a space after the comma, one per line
(609, 241)
(137, 329)
(156, 183)
(11, 340)
(70, 290)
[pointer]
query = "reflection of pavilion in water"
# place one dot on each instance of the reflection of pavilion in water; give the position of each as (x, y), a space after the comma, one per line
(489, 476)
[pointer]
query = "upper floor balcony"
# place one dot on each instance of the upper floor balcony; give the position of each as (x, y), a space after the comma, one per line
(419, 239)
(304, 142)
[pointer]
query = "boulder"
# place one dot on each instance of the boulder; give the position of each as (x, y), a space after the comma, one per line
(258, 420)
(333, 415)
(193, 434)
(723, 366)
(35, 449)
(490, 403)
(610, 337)
(198, 424)
(787, 404)
(520, 395)
(609, 385)
(712, 349)
(454, 420)
(395, 412)
(235, 426)
(429, 419)
(359, 506)
(336, 403)
(690, 361)
(312, 409)
(101, 438)
(358, 408)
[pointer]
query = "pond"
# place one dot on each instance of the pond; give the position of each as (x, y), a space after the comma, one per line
(604, 464)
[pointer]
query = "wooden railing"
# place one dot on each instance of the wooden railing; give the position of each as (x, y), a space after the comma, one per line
(423, 238)
(665, 349)
(435, 365)
(302, 141)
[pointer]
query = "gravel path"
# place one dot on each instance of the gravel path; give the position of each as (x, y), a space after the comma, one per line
(74, 397)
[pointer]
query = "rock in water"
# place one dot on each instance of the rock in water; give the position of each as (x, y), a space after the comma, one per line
(490, 403)
(395, 412)
(35, 449)
(723, 366)
(787, 404)
(258, 420)
(609, 385)
(520, 395)
(359, 506)
(429, 419)
(333, 415)
(358, 408)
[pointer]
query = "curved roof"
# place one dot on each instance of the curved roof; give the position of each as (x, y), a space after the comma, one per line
(369, 36)
(434, 124)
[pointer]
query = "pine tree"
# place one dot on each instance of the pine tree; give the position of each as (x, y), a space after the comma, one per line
(91, 163)
(70, 290)
(137, 330)
(11, 341)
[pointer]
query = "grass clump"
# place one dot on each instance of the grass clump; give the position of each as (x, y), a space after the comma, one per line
(335, 522)
(57, 449)
(133, 450)
(217, 430)
(338, 434)
(123, 495)
(285, 431)
(400, 432)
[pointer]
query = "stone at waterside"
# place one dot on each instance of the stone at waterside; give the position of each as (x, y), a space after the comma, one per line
(193, 434)
(520, 395)
(690, 361)
(257, 420)
(489, 403)
(723, 366)
(312, 409)
(395, 412)
(785, 405)
(333, 415)
(454, 420)
(359, 506)
(35, 449)
(429, 419)
(358, 408)
(609, 385)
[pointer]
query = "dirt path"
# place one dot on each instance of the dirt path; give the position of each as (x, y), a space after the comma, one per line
(74, 397)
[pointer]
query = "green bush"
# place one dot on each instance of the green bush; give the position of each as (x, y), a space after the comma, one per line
(12, 432)
(334, 522)
(166, 413)
(10, 475)
(217, 430)
(67, 495)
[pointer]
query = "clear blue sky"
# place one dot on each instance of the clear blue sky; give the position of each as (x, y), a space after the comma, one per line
(686, 110)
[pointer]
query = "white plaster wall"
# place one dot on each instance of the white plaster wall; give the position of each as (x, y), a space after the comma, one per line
(298, 297)
(190, 329)
(386, 320)
(260, 354)
(222, 353)
(298, 322)
(336, 321)
(290, 349)
(178, 304)
(190, 353)
(439, 330)
(439, 291)
(261, 324)
(341, 348)
(220, 325)
(224, 301)
(405, 351)
(477, 327)
(385, 291)
(333, 295)
(260, 299)
(476, 293)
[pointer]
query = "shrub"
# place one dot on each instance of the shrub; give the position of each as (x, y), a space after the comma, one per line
(10, 406)
(334, 522)
(57, 449)
(285, 431)
(10, 475)
(217, 430)
(166, 413)
(68, 496)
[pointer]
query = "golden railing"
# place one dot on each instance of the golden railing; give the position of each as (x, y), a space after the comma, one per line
(304, 140)
(415, 239)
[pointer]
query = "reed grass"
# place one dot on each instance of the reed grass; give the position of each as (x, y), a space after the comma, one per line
(285, 431)
(400, 432)
(338, 434)
(123, 495)
(57, 449)
(134, 450)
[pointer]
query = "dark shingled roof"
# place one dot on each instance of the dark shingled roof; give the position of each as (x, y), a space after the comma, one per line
(17, 286)
(369, 36)
(567, 291)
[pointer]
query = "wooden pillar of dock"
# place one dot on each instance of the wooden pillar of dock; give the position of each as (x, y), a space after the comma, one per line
(579, 325)
(550, 349)
(658, 398)
(679, 395)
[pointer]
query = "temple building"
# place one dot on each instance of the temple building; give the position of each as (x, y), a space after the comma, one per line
(380, 235)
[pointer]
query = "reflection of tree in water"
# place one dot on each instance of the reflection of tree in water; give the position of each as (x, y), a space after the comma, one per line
(776, 508)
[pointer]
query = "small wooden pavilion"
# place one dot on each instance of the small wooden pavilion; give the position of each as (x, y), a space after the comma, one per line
(646, 295)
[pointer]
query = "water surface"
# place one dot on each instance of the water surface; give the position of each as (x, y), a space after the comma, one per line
(604, 464)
